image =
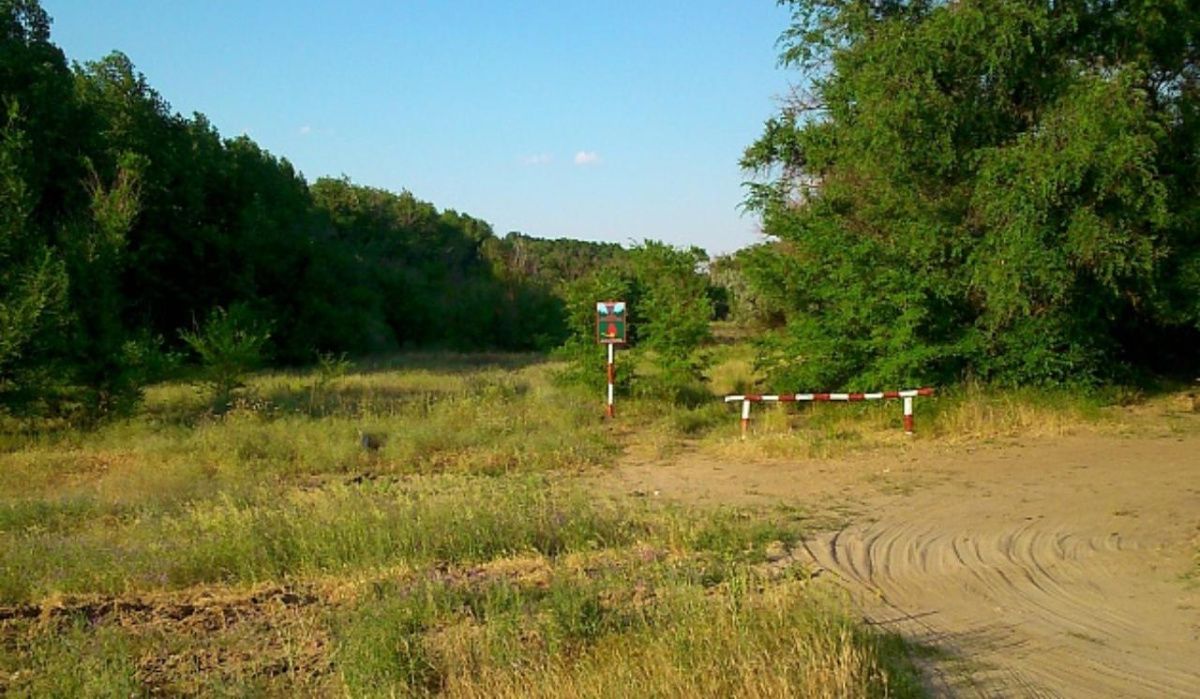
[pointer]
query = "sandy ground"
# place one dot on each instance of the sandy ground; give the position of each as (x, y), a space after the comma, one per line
(1027, 568)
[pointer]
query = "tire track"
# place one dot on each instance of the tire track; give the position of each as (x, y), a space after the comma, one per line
(1040, 566)
(1023, 608)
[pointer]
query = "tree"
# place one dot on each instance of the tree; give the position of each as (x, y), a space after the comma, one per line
(94, 250)
(122, 221)
(230, 344)
(998, 188)
(675, 313)
(33, 279)
(669, 312)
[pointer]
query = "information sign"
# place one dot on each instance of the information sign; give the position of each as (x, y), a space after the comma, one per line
(610, 322)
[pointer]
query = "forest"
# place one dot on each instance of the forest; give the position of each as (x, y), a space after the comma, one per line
(135, 237)
(1027, 214)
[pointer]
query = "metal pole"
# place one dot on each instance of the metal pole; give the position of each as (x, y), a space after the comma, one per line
(608, 409)
(745, 417)
(908, 415)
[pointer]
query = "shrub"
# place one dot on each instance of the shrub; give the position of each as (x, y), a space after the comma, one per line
(230, 344)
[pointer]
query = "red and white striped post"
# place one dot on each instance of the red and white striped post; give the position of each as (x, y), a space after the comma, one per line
(610, 330)
(908, 396)
(612, 374)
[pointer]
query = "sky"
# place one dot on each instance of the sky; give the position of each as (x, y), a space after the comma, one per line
(614, 120)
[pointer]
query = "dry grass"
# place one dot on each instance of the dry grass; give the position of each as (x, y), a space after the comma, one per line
(790, 647)
(956, 415)
(258, 549)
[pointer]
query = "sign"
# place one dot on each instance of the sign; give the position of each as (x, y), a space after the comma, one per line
(610, 322)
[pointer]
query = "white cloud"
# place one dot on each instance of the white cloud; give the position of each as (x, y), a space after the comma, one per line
(587, 157)
(305, 130)
(537, 159)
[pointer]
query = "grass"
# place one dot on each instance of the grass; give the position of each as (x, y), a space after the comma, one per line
(968, 413)
(258, 549)
(467, 587)
(577, 638)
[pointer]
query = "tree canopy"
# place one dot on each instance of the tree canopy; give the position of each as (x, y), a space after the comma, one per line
(125, 225)
(1004, 189)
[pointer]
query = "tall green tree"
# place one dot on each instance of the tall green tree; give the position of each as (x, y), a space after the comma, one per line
(33, 279)
(998, 188)
(93, 247)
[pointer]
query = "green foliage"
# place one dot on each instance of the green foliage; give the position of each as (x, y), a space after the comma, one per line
(230, 344)
(753, 293)
(132, 221)
(33, 281)
(94, 250)
(676, 311)
(555, 263)
(586, 360)
(669, 310)
(61, 290)
(426, 274)
(995, 188)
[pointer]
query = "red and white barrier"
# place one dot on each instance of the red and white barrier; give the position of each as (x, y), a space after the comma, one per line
(908, 397)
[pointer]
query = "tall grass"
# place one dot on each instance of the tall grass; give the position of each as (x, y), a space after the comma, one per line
(571, 639)
(460, 557)
(462, 585)
(969, 412)
(272, 535)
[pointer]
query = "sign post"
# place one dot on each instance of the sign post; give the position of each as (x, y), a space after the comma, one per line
(611, 330)
(612, 379)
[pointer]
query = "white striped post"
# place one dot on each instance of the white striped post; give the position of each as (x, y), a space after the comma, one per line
(908, 397)
(608, 408)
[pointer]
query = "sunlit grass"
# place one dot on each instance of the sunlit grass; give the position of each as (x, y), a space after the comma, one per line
(258, 548)
(460, 555)
(956, 414)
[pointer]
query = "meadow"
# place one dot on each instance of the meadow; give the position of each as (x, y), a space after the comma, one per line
(257, 548)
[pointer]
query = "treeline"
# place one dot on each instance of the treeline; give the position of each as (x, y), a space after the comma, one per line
(1000, 189)
(127, 229)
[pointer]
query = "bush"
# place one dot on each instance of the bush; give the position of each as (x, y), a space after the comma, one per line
(230, 344)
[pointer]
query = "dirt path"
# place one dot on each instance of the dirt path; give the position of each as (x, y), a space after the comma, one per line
(1049, 568)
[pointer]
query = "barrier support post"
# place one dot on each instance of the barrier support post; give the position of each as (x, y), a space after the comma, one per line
(745, 417)
(608, 408)
(908, 415)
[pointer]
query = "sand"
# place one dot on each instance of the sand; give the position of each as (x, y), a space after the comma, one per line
(1049, 567)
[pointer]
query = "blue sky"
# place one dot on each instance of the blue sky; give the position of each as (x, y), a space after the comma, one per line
(605, 120)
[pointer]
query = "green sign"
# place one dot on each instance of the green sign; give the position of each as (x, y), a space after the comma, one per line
(610, 322)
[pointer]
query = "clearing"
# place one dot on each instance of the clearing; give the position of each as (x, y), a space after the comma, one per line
(1031, 567)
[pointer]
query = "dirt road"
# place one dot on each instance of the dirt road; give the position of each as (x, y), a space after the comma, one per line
(1047, 568)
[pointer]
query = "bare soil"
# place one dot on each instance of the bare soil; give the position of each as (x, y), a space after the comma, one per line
(1050, 567)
